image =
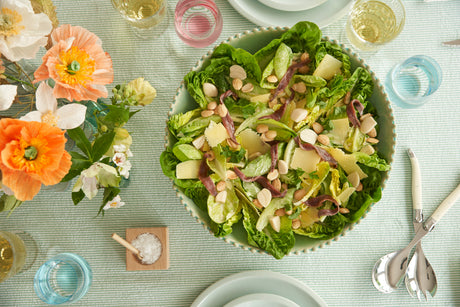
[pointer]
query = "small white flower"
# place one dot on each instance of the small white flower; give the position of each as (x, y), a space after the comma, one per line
(22, 32)
(114, 203)
(68, 116)
(124, 169)
(119, 158)
(129, 153)
(119, 148)
(7, 94)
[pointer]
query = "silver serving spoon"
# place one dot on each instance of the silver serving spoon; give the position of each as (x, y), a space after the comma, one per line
(420, 275)
(389, 270)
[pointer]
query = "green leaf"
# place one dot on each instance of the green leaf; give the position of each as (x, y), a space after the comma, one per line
(117, 116)
(81, 141)
(70, 175)
(77, 197)
(79, 162)
(234, 156)
(101, 145)
(9, 203)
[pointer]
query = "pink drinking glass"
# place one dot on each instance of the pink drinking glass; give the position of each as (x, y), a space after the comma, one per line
(198, 22)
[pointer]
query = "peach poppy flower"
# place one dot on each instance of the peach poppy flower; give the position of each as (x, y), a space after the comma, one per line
(77, 63)
(31, 154)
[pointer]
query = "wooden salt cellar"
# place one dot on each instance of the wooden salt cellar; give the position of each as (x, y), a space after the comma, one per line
(134, 264)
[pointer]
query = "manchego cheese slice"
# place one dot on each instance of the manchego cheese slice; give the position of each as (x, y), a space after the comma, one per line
(305, 159)
(215, 134)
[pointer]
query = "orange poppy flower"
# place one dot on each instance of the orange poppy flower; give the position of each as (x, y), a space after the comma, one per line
(77, 63)
(31, 154)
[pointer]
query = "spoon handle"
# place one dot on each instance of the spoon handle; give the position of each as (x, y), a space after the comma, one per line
(416, 181)
(445, 205)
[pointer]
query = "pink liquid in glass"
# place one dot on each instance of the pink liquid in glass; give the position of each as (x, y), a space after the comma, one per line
(198, 22)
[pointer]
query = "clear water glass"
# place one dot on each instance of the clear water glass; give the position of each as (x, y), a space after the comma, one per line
(412, 83)
(65, 278)
(197, 22)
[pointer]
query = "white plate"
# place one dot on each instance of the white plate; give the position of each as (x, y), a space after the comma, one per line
(292, 5)
(266, 16)
(261, 300)
(246, 283)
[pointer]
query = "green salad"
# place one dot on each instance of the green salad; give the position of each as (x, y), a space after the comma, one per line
(282, 141)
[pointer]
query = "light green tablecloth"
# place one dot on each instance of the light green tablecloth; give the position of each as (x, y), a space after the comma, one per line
(340, 272)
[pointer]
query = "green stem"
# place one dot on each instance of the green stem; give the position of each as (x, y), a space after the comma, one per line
(19, 80)
(19, 67)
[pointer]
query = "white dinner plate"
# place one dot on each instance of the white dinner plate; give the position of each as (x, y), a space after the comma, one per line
(292, 5)
(261, 300)
(243, 284)
(266, 16)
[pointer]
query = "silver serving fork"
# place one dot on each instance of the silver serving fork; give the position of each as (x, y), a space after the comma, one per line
(420, 276)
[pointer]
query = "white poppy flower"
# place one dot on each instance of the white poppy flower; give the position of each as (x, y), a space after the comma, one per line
(119, 158)
(114, 203)
(7, 94)
(22, 32)
(68, 116)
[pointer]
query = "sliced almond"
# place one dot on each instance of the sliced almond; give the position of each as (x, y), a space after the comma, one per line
(372, 133)
(212, 105)
(272, 79)
(273, 175)
(231, 175)
(299, 194)
(211, 155)
(296, 224)
(210, 89)
(344, 210)
(270, 134)
(359, 187)
(372, 140)
(221, 110)
(221, 186)
(277, 184)
(233, 144)
(275, 222)
(236, 71)
(304, 70)
(299, 114)
(257, 204)
(237, 84)
(280, 212)
(264, 197)
(221, 197)
(304, 57)
(283, 167)
(323, 139)
(308, 136)
(207, 113)
(354, 179)
(248, 87)
(261, 128)
(368, 149)
(317, 127)
(299, 87)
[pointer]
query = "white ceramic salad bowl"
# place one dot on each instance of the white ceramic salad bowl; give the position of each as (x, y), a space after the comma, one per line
(252, 41)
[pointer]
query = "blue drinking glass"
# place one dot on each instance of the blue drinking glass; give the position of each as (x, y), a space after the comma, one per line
(65, 278)
(412, 83)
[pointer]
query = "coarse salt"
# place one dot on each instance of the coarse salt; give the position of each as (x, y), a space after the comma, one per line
(149, 247)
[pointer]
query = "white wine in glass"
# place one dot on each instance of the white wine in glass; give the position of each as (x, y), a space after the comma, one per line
(18, 251)
(141, 14)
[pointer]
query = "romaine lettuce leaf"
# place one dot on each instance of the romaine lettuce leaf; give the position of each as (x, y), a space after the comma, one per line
(329, 228)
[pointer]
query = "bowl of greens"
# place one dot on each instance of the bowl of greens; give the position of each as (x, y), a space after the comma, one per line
(279, 140)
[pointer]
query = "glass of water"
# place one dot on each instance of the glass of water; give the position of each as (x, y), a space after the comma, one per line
(412, 83)
(373, 23)
(197, 22)
(65, 278)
